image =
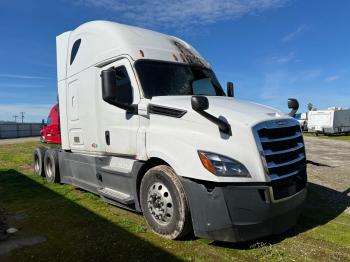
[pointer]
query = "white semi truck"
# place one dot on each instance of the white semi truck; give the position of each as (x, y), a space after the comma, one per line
(146, 125)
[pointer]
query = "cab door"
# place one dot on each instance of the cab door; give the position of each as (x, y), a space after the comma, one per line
(118, 126)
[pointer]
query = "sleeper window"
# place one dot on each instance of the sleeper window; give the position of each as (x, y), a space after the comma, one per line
(74, 51)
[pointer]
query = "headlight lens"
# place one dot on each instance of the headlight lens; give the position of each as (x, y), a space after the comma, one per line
(222, 166)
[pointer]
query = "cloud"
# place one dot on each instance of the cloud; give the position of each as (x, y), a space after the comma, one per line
(33, 112)
(305, 76)
(181, 13)
(285, 83)
(274, 82)
(282, 59)
(293, 34)
(332, 78)
(3, 86)
(23, 76)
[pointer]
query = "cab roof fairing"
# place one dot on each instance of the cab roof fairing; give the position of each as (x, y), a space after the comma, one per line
(103, 40)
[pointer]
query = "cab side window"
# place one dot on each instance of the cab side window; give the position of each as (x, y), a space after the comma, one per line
(125, 92)
(74, 51)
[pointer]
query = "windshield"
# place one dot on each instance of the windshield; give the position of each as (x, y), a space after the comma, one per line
(173, 79)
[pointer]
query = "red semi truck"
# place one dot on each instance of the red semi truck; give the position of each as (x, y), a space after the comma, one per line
(50, 133)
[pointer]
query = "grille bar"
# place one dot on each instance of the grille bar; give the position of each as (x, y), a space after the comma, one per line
(273, 176)
(268, 140)
(269, 152)
(271, 165)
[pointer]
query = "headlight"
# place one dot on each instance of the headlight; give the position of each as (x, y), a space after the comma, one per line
(222, 166)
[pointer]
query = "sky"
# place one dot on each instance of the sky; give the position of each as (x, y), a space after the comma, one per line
(270, 49)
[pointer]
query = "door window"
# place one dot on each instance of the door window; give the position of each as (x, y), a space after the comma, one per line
(125, 93)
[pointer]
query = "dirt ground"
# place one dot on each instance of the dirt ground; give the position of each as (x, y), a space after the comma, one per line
(329, 165)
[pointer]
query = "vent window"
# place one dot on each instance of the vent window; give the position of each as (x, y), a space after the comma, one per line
(74, 51)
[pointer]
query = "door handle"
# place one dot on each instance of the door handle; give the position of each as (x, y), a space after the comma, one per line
(107, 137)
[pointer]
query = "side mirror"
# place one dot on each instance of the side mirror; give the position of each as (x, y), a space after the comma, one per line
(230, 89)
(43, 122)
(109, 85)
(294, 105)
(199, 103)
(113, 95)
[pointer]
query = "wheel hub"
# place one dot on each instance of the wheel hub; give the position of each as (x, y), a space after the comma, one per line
(160, 203)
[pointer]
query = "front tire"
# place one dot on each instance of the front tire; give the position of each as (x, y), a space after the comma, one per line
(164, 203)
(51, 166)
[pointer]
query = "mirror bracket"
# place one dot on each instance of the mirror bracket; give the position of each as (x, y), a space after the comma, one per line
(201, 103)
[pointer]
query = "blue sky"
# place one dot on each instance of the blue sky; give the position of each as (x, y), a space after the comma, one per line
(270, 49)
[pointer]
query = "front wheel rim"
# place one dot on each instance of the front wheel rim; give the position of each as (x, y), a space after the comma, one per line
(160, 203)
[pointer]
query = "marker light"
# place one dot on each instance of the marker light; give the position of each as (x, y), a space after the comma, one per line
(222, 166)
(142, 53)
(175, 57)
(206, 163)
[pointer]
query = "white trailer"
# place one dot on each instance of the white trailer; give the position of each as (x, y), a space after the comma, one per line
(331, 121)
(146, 125)
(302, 119)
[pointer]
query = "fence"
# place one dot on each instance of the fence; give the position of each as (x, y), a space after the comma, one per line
(13, 130)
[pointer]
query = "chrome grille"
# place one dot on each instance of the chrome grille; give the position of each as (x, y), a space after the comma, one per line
(281, 148)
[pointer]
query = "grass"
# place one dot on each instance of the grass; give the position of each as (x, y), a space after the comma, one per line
(79, 226)
(335, 137)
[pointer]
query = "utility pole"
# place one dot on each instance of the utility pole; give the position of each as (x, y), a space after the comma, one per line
(22, 116)
(15, 117)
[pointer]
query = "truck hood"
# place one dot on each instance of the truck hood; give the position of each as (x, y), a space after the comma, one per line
(234, 110)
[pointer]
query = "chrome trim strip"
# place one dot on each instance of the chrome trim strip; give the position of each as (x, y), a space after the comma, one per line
(273, 165)
(265, 139)
(271, 153)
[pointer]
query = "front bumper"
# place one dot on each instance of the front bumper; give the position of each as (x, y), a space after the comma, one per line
(238, 213)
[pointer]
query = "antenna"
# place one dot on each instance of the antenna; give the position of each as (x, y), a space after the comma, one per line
(22, 116)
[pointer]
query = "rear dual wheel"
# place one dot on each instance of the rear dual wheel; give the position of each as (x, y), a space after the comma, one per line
(45, 162)
(51, 166)
(164, 203)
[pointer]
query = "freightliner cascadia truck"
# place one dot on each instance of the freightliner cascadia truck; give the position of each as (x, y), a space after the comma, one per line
(146, 125)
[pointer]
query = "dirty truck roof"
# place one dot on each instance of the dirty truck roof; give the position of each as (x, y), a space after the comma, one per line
(102, 41)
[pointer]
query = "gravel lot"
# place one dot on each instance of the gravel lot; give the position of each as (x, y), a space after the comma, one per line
(329, 166)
